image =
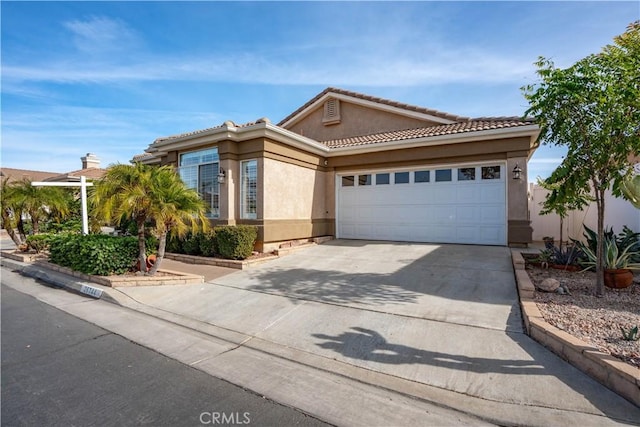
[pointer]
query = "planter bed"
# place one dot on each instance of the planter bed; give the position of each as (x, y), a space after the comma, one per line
(163, 277)
(581, 328)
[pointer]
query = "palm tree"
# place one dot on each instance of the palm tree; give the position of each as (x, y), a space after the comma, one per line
(38, 203)
(175, 209)
(144, 193)
(10, 211)
(122, 194)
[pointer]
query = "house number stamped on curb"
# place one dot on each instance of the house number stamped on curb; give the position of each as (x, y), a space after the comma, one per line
(90, 290)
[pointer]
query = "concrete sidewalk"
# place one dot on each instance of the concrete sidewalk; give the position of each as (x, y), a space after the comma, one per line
(436, 322)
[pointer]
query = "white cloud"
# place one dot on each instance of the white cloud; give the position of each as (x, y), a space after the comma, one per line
(479, 67)
(100, 34)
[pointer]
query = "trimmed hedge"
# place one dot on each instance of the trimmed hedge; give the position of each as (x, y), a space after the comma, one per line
(236, 242)
(208, 244)
(232, 242)
(97, 254)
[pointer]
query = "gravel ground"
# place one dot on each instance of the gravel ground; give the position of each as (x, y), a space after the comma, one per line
(596, 321)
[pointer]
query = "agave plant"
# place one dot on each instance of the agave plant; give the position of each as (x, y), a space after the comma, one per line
(614, 257)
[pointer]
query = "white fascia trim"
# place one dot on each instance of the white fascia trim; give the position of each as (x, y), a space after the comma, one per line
(229, 133)
(366, 103)
(456, 138)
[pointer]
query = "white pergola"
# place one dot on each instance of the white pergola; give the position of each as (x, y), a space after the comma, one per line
(83, 184)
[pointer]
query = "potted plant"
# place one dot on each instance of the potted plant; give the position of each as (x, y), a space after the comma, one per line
(617, 262)
(566, 259)
(549, 242)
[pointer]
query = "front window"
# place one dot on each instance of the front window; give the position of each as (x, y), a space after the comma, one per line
(199, 170)
(249, 189)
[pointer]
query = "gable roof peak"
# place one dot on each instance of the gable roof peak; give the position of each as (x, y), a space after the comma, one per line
(383, 102)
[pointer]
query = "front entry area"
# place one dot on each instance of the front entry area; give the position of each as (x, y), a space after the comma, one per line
(452, 204)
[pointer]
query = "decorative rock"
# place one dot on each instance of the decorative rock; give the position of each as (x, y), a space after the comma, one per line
(549, 285)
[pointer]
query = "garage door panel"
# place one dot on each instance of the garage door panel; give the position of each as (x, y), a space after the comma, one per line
(455, 212)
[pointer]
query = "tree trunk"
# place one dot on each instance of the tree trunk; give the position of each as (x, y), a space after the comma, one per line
(561, 226)
(35, 223)
(23, 235)
(8, 225)
(142, 247)
(162, 244)
(599, 250)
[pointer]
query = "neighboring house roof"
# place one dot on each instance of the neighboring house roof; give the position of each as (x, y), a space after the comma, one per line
(12, 174)
(355, 97)
(89, 173)
(473, 125)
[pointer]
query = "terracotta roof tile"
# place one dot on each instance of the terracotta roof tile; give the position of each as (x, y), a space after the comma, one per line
(407, 107)
(90, 173)
(200, 131)
(19, 174)
(473, 125)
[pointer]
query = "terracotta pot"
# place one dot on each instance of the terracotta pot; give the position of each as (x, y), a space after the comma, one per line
(618, 279)
(151, 259)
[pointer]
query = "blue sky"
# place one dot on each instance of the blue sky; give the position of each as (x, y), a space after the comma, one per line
(110, 77)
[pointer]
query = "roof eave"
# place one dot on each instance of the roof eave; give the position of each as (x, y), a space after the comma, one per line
(532, 131)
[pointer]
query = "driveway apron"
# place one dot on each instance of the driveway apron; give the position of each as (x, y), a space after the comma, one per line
(442, 315)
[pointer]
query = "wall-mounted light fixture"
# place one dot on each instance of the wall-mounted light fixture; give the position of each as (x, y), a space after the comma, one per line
(221, 176)
(517, 172)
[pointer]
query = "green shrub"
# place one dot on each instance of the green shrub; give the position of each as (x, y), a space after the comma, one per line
(151, 244)
(174, 245)
(208, 244)
(39, 242)
(191, 244)
(236, 242)
(97, 254)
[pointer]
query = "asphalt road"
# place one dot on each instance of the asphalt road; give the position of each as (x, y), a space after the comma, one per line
(60, 370)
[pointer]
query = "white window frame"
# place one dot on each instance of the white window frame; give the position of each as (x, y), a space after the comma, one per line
(244, 214)
(214, 209)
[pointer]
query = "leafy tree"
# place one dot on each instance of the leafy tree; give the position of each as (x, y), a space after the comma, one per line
(593, 109)
(560, 200)
(145, 193)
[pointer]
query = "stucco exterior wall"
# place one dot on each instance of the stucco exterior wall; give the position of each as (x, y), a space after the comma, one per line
(355, 120)
(292, 192)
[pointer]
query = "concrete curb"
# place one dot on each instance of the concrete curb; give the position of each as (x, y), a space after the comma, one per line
(61, 280)
(611, 372)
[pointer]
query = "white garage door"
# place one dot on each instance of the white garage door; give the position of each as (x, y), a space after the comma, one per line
(462, 204)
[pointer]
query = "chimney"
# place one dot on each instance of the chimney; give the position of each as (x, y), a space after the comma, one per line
(90, 161)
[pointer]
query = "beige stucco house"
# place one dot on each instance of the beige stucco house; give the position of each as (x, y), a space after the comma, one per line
(354, 166)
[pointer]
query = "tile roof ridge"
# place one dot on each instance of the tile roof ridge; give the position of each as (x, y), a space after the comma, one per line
(463, 126)
(227, 123)
(379, 100)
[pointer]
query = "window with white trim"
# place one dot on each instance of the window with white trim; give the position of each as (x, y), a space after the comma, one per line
(199, 170)
(249, 189)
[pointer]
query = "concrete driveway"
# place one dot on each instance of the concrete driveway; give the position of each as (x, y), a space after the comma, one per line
(438, 316)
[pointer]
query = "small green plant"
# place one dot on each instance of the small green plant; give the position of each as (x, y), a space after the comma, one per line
(630, 335)
(38, 242)
(544, 257)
